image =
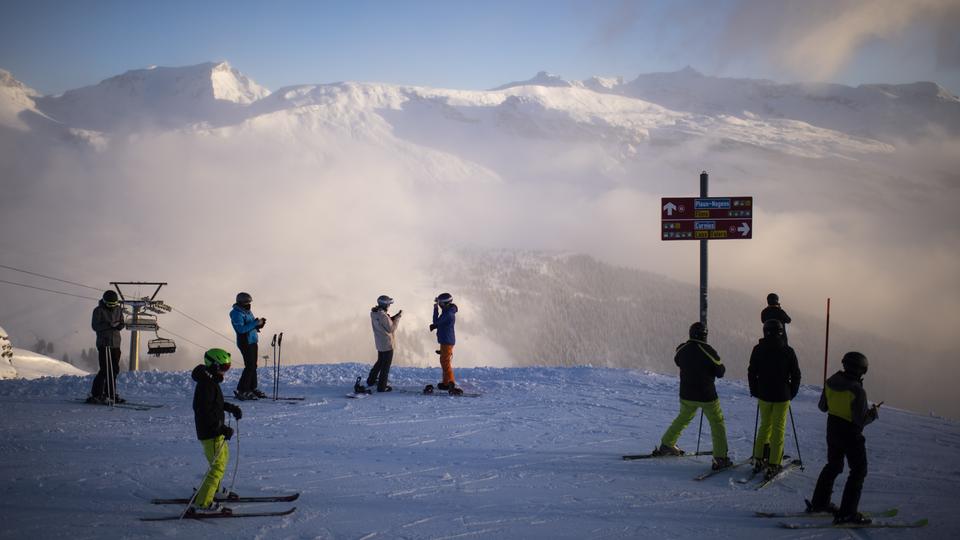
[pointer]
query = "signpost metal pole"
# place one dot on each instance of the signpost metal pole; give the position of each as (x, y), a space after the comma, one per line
(704, 180)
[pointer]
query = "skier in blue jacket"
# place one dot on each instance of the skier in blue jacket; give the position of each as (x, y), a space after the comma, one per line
(247, 328)
(444, 319)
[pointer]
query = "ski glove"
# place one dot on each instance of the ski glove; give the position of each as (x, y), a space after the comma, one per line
(233, 409)
(227, 432)
(433, 327)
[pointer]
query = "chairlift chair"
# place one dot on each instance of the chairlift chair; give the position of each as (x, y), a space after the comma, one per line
(160, 346)
(142, 322)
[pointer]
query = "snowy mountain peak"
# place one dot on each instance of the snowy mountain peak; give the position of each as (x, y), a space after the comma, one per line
(161, 97)
(7, 80)
(542, 78)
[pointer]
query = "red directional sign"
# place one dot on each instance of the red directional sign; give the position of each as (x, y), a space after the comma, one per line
(706, 218)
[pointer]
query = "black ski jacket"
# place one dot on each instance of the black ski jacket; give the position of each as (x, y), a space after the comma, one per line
(774, 312)
(107, 323)
(774, 373)
(699, 365)
(208, 404)
(845, 399)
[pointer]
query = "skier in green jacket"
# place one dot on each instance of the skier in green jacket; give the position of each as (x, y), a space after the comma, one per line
(699, 366)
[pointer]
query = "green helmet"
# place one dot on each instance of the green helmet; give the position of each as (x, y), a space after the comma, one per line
(217, 358)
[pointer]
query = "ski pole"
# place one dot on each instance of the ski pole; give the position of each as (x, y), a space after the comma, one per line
(699, 431)
(236, 462)
(111, 390)
(273, 343)
(756, 422)
(799, 457)
(276, 391)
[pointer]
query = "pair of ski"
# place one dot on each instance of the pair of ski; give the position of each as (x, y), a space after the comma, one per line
(235, 500)
(875, 524)
(125, 405)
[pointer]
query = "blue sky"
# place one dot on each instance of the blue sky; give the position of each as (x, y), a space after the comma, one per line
(57, 45)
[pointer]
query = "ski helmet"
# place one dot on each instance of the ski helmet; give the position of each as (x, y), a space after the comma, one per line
(110, 298)
(384, 301)
(698, 331)
(855, 363)
(244, 298)
(218, 358)
(772, 328)
(773, 299)
(445, 298)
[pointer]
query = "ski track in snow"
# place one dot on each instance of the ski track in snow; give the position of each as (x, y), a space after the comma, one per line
(538, 455)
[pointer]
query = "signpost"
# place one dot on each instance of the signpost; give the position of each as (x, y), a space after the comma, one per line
(706, 218)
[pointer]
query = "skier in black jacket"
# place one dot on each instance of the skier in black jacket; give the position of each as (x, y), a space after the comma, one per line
(699, 366)
(774, 311)
(208, 407)
(774, 377)
(107, 322)
(845, 400)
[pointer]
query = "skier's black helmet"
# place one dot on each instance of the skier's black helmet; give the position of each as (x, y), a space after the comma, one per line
(772, 328)
(445, 298)
(855, 363)
(383, 301)
(110, 298)
(773, 299)
(244, 298)
(698, 331)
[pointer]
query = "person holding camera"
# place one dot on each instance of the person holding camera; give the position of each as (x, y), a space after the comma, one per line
(107, 322)
(247, 327)
(384, 328)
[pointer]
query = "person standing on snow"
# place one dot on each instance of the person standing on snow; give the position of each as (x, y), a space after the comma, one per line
(107, 322)
(774, 377)
(699, 366)
(384, 327)
(213, 433)
(444, 319)
(845, 400)
(774, 311)
(247, 328)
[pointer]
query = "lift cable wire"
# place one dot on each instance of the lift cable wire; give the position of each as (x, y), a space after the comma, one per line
(89, 298)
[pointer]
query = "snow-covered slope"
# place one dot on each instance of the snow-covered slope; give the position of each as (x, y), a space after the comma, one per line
(883, 111)
(157, 98)
(17, 107)
(23, 364)
(538, 455)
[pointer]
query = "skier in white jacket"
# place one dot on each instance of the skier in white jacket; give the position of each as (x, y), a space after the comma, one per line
(384, 327)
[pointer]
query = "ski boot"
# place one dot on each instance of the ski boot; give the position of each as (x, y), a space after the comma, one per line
(386, 388)
(855, 518)
(829, 507)
(359, 388)
(758, 464)
(118, 399)
(454, 391)
(721, 463)
(665, 450)
(257, 392)
(213, 509)
(772, 470)
(428, 389)
(245, 396)
(224, 494)
(444, 386)
(96, 400)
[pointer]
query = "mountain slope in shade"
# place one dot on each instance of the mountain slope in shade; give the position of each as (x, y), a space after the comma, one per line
(157, 98)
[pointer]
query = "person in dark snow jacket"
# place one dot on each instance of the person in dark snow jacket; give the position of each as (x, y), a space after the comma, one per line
(247, 328)
(208, 417)
(699, 366)
(444, 319)
(107, 322)
(384, 328)
(774, 377)
(845, 401)
(774, 311)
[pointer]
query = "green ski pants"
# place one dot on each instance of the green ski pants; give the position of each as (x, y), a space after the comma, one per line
(688, 409)
(773, 427)
(217, 453)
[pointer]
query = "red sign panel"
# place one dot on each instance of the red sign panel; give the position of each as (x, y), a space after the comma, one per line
(706, 218)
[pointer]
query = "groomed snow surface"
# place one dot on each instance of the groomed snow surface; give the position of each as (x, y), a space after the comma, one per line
(537, 456)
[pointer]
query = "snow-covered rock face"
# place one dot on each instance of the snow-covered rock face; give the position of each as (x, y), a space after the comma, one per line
(7, 371)
(16, 98)
(157, 98)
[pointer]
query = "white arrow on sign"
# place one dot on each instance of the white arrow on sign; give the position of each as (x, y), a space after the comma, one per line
(669, 207)
(744, 229)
